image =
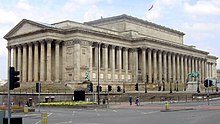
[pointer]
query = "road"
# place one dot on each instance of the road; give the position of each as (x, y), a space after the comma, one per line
(123, 113)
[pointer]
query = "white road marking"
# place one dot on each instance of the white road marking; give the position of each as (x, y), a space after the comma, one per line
(114, 110)
(97, 112)
(146, 113)
(73, 113)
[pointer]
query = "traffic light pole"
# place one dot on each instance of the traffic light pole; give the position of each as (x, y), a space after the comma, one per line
(39, 88)
(9, 105)
(208, 93)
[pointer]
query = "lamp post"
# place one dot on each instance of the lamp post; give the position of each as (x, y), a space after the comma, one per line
(123, 87)
(163, 84)
(198, 90)
(98, 45)
(170, 85)
(177, 86)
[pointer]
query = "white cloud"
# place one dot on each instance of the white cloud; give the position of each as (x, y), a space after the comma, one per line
(161, 6)
(8, 17)
(3, 50)
(23, 4)
(203, 7)
(74, 5)
(92, 14)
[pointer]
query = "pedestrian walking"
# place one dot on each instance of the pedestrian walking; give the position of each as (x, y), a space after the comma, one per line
(130, 100)
(137, 101)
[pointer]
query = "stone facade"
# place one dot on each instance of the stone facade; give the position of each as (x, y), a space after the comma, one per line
(126, 50)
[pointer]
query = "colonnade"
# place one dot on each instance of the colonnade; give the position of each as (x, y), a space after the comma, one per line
(45, 61)
(35, 62)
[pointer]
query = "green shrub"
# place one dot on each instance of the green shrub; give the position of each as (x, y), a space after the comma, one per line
(67, 103)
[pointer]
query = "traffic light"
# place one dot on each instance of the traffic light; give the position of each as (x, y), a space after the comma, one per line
(98, 88)
(136, 86)
(109, 88)
(208, 83)
(90, 87)
(13, 78)
(118, 88)
(38, 87)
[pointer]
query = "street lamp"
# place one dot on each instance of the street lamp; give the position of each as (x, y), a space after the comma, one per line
(170, 85)
(163, 84)
(177, 89)
(198, 91)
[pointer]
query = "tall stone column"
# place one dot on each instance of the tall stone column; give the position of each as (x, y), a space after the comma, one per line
(64, 76)
(19, 60)
(174, 67)
(178, 67)
(126, 63)
(203, 70)
(119, 62)
(149, 66)
(186, 69)
(155, 65)
(199, 69)
(169, 67)
(57, 60)
(96, 57)
(160, 65)
(113, 62)
(189, 65)
(105, 47)
(90, 61)
(42, 61)
(144, 64)
(24, 70)
(136, 64)
(49, 59)
(9, 56)
(196, 64)
(193, 64)
(30, 62)
(77, 72)
(14, 57)
(211, 70)
(182, 69)
(36, 62)
(165, 66)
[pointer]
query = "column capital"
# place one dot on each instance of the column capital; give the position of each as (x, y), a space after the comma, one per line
(154, 50)
(119, 47)
(48, 40)
(30, 44)
(134, 49)
(104, 45)
(125, 48)
(42, 41)
(149, 49)
(76, 41)
(58, 41)
(8, 47)
(112, 46)
(160, 51)
(143, 48)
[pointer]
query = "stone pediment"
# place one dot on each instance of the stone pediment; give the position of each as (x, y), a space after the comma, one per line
(25, 27)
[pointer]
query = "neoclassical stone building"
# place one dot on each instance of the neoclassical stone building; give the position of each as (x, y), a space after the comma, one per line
(130, 51)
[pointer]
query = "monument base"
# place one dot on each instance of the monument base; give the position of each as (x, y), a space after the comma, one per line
(192, 86)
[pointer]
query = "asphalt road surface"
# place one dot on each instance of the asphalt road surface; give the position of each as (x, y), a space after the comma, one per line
(123, 113)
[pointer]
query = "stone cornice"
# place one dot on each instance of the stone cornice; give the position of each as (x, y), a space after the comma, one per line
(126, 17)
(188, 48)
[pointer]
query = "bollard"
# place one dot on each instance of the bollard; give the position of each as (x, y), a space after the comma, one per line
(167, 106)
(45, 118)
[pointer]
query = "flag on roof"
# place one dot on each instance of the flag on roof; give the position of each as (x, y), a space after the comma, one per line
(151, 8)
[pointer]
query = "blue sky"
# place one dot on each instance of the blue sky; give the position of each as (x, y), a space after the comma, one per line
(198, 19)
